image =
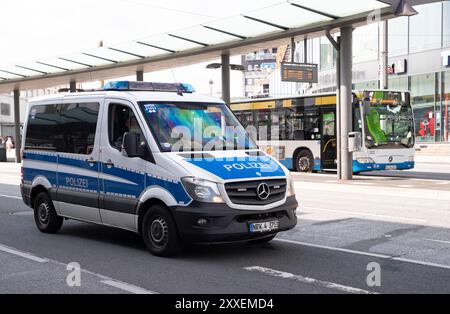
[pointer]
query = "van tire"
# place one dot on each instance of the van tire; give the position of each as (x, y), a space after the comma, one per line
(304, 161)
(160, 232)
(263, 240)
(45, 216)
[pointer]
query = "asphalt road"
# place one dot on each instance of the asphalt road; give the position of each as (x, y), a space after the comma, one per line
(403, 226)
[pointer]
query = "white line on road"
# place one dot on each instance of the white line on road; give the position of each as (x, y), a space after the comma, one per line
(22, 254)
(438, 241)
(332, 248)
(9, 196)
(312, 281)
(337, 249)
(127, 287)
(416, 220)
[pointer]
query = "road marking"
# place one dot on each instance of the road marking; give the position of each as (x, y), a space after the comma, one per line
(332, 248)
(312, 281)
(416, 220)
(127, 287)
(22, 254)
(438, 241)
(103, 279)
(382, 256)
(9, 196)
(406, 186)
(23, 213)
(361, 183)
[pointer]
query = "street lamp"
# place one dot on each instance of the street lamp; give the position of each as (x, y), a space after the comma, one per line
(405, 9)
(234, 67)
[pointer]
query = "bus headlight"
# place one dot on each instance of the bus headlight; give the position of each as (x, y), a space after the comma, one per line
(410, 159)
(365, 160)
(290, 186)
(202, 190)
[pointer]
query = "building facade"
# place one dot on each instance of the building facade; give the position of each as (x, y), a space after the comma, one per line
(7, 114)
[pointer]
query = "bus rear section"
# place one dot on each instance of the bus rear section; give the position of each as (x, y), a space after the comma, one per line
(301, 132)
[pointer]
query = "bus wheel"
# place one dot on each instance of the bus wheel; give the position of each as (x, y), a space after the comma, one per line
(159, 232)
(45, 216)
(304, 161)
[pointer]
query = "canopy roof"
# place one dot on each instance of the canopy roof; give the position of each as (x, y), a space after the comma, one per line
(260, 28)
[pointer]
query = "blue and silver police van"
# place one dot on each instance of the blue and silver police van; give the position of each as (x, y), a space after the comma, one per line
(156, 159)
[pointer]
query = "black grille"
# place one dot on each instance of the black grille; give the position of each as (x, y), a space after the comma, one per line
(245, 193)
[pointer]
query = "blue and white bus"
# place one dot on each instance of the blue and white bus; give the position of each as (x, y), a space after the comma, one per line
(301, 131)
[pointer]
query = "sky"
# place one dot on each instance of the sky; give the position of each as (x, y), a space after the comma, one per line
(32, 30)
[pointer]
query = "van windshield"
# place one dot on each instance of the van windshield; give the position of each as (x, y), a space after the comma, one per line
(195, 127)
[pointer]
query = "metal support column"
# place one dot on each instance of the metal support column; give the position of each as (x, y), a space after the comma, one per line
(384, 81)
(18, 139)
(345, 95)
(338, 110)
(140, 76)
(226, 78)
(73, 86)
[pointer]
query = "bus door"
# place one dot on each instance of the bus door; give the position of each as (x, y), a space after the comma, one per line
(329, 143)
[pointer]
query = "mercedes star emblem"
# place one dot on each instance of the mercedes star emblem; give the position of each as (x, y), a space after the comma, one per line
(263, 191)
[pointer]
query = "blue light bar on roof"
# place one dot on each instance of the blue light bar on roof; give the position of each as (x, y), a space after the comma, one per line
(148, 86)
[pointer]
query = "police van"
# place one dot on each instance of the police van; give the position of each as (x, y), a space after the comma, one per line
(153, 158)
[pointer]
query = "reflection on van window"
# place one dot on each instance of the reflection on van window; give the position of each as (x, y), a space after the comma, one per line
(199, 127)
(78, 124)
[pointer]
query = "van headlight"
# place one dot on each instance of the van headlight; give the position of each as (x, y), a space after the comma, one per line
(365, 160)
(202, 190)
(291, 188)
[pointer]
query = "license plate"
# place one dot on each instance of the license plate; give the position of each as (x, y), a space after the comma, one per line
(391, 167)
(263, 226)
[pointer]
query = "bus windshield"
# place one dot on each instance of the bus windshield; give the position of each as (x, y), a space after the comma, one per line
(388, 120)
(195, 127)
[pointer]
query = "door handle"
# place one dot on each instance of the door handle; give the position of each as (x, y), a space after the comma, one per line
(91, 162)
(109, 163)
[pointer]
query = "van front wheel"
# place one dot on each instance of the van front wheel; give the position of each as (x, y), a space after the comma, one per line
(45, 216)
(159, 232)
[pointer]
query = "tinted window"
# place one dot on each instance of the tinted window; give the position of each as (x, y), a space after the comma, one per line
(43, 128)
(78, 124)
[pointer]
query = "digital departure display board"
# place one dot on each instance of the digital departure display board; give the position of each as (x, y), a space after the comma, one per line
(299, 72)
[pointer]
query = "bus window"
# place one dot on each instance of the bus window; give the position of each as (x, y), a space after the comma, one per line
(303, 125)
(263, 125)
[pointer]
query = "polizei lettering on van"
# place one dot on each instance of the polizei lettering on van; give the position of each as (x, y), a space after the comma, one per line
(77, 182)
(248, 165)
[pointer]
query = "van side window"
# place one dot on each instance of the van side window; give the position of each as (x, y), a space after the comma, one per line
(121, 120)
(78, 126)
(42, 130)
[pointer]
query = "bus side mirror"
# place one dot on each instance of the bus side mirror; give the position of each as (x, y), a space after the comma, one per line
(132, 145)
(354, 142)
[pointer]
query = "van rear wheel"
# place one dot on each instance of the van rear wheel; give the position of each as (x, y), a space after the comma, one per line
(159, 232)
(45, 216)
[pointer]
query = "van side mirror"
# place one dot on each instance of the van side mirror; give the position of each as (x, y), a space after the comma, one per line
(133, 145)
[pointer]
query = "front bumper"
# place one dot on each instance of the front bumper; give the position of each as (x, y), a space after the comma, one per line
(359, 167)
(226, 224)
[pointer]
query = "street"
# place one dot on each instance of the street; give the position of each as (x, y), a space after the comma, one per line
(402, 224)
